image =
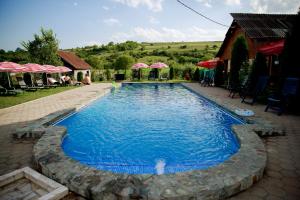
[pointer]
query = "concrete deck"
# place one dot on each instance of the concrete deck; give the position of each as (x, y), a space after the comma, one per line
(281, 179)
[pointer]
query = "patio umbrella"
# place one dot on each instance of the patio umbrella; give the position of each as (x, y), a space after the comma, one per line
(10, 67)
(273, 48)
(50, 69)
(64, 69)
(158, 65)
(34, 68)
(139, 65)
(209, 64)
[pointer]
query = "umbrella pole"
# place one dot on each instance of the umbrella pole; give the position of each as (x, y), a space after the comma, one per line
(9, 85)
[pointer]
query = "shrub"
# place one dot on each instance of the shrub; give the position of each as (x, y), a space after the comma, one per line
(219, 75)
(239, 55)
(171, 73)
(108, 74)
(79, 76)
(196, 76)
(93, 76)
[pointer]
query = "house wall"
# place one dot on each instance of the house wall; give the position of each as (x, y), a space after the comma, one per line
(83, 72)
(253, 46)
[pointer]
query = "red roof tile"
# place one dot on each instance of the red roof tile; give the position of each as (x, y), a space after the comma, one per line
(73, 60)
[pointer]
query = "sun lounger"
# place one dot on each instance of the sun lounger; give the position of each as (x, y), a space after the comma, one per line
(259, 88)
(9, 91)
(23, 86)
(280, 101)
(40, 84)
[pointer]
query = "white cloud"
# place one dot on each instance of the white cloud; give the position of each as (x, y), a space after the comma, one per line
(153, 20)
(105, 8)
(206, 3)
(153, 5)
(75, 4)
(165, 34)
(275, 6)
(111, 21)
(233, 2)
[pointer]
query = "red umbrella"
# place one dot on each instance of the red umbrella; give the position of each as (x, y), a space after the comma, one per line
(50, 69)
(273, 48)
(64, 69)
(34, 68)
(158, 65)
(139, 65)
(209, 64)
(10, 67)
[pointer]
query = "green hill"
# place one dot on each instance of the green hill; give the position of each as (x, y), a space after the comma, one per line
(172, 53)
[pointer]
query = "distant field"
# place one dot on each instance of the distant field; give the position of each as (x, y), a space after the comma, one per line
(180, 54)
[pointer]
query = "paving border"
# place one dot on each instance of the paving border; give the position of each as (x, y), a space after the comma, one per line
(219, 182)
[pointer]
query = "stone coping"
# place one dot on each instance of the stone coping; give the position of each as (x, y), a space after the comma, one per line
(236, 174)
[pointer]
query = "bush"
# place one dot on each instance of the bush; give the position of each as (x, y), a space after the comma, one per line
(93, 76)
(219, 75)
(196, 76)
(79, 76)
(171, 73)
(239, 55)
(108, 74)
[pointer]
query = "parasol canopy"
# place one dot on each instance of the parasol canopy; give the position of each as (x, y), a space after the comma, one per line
(34, 68)
(139, 65)
(64, 69)
(11, 67)
(209, 64)
(50, 69)
(159, 65)
(273, 48)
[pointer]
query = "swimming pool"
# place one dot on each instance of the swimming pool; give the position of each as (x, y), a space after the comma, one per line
(150, 129)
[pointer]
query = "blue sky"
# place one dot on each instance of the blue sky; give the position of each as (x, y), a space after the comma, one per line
(86, 22)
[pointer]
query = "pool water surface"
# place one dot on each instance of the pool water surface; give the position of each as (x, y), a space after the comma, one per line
(150, 129)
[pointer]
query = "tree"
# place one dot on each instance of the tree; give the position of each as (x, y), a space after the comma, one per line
(239, 55)
(123, 63)
(171, 73)
(95, 62)
(219, 75)
(43, 49)
(196, 76)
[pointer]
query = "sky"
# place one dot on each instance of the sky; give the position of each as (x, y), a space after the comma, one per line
(79, 23)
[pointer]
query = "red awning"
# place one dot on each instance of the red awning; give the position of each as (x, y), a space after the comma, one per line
(208, 63)
(273, 48)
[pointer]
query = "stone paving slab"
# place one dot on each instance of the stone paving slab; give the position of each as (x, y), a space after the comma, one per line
(282, 175)
(15, 154)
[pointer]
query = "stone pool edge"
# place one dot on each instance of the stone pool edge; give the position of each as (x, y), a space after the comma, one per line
(219, 182)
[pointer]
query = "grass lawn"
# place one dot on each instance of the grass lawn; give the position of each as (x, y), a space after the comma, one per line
(7, 101)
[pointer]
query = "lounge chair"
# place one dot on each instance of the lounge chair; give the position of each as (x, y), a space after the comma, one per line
(151, 75)
(135, 75)
(279, 102)
(259, 88)
(233, 89)
(40, 84)
(9, 91)
(164, 77)
(23, 86)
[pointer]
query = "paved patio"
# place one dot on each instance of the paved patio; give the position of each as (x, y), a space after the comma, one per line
(282, 176)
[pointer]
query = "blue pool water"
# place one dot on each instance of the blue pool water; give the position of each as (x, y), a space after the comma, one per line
(150, 129)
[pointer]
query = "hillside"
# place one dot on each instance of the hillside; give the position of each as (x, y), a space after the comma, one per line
(172, 53)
